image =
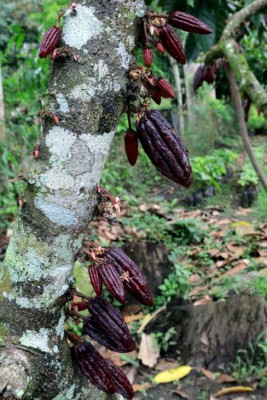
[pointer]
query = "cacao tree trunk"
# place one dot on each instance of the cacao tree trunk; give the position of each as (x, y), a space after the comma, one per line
(88, 97)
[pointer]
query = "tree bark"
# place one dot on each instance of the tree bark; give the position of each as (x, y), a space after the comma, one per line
(88, 97)
(2, 110)
(243, 128)
(228, 48)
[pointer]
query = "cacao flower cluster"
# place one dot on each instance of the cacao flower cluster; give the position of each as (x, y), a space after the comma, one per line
(105, 324)
(158, 30)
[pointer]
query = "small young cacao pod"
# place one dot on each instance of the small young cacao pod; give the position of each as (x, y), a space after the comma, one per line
(160, 47)
(188, 23)
(131, 146)
(165, 88)
(199, 77)
(172, 44)
(148, 57)
(156, 96)
(210, 72)
(94, 366)
(164, 147)
(95, 279)
(49, 41)
(121, 382)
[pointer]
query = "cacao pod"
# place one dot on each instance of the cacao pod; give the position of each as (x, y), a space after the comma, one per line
(165, 88)
(160, 47)
(188, 23)
(94, 330)
(49, 41)
(95, 279)
(94, 366)
(164, 147)
(121, 382)
(110, 320)
(131, 146)
(156, 96)
(111, 279)
(148, 57)
(199, 77)
(172, 44)
(135, 283)
(210, 72)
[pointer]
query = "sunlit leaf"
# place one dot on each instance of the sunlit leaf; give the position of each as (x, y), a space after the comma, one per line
(233, 389)
(171, 375)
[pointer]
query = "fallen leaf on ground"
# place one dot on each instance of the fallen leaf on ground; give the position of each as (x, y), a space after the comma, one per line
(163, 364)
(203, 301)
(234, 389)
(130, 373)
(143, 386)
(208, 374)
(130, 318)
(195, 279)
(115, 357)
(224, 378)
(243, 264)
(148, 353)
(173, 374)
(131, 309)
(180, 393)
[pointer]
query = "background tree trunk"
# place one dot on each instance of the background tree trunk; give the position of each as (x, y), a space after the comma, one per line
(178, 86)
(88, 97)
(2, 110)
(243, 128)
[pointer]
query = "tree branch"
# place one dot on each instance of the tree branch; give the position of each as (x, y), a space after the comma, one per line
(227, 47)
(243, 127)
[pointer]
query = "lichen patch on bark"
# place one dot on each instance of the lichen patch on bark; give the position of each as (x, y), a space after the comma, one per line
(80, 28)
(37, 340)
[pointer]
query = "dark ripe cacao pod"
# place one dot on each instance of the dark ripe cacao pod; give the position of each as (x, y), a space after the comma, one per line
(95, 279)
(94, 366)
(164, 147)
(210, 72)
(199, 77)
(156, 97)
(111, 279)
(136, 283)
(94, 330)
(172, 44)
(131, 146)
(148, 57)
(160, 47)
(110, 320)
(188, 23)
(49, 41)
(165, 88)
(246, 107)
(80, 305)
(121, 382)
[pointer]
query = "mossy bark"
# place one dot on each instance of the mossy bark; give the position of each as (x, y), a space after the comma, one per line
(88, 97)
(227, 47)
